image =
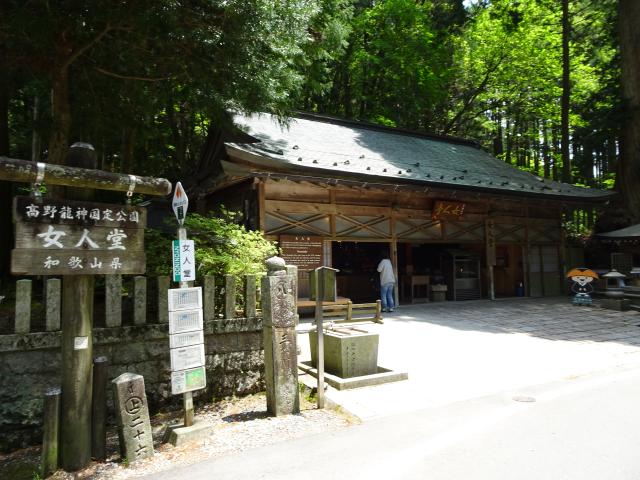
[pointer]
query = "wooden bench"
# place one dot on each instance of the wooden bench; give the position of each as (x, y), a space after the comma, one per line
(352, 312)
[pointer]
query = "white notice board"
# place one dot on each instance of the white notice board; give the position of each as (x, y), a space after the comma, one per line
(185, 321)
(187, 357)
(185, 298)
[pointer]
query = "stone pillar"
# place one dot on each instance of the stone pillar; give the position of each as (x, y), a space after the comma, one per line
(53, 296)
(113, 300)
(23, 306)
(229, 296)
(132, 417)
(164, 283)
(209, 292)
(139, 300)
(279, 338)
(250, 296)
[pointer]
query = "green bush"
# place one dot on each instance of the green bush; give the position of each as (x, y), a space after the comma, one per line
(222, 247)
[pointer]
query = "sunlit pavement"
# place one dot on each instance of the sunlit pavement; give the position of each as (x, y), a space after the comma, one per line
(463, 350)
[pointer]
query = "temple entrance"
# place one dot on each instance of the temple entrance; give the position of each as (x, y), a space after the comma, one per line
(358, 278)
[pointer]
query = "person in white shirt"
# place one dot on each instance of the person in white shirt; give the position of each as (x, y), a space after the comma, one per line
(387, 282)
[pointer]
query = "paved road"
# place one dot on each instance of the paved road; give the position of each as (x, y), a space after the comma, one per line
(586, 428)
(456, 351)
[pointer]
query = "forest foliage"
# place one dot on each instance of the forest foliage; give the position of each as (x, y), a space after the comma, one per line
(144, 81)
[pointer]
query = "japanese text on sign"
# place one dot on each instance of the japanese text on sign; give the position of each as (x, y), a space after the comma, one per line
(73, 237)
(444, 209)
(184, 261)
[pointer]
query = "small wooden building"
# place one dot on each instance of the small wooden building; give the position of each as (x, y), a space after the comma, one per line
(338, 193)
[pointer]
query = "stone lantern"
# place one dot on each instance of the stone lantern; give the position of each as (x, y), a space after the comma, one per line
(614, 283)
(635, 276)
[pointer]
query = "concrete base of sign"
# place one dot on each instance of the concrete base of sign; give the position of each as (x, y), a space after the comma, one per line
(384, 375)
(348, 351)
(620, 304)
(178, 435)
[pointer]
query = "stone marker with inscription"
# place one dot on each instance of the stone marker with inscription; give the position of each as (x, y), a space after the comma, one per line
(279, 337)
(132, 416)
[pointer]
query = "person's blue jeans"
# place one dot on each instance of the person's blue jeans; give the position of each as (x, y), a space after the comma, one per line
(386, 295)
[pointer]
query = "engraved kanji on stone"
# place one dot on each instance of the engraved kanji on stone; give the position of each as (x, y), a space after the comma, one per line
(116, 264)
(121, 216)
(134, 217)
(94, 214)
(106, 214)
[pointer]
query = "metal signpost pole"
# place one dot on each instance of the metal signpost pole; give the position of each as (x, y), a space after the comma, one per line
(180, 204)
(319, 273)
(187, 398)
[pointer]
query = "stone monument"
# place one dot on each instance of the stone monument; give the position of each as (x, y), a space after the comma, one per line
(132, 416)
(279, 338)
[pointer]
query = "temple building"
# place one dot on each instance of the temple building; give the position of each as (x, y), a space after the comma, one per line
(344, 194)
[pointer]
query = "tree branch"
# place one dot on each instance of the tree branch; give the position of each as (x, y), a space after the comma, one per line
(130, 77)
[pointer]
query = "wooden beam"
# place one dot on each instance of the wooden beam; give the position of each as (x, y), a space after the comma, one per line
(25, 171)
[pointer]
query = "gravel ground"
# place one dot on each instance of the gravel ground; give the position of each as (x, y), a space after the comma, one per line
(236, 424)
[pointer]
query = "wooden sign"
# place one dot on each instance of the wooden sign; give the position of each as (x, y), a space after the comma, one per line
(445, 209)
(303, 251)
(65, 237)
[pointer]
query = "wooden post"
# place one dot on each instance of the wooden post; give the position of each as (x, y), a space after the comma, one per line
(250, 296)
(83, 176)
(50, 431)
(319, 272)
(77, 344)
(99, 408)
(23, 306)
(209, 293)
(229, 296)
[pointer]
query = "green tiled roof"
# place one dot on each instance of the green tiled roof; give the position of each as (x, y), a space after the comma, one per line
(331, 148)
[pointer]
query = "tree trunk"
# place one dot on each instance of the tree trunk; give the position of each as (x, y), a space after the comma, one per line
(6, 188)
(61, 117)
(545, 151)
(628, 178)
(566, 94)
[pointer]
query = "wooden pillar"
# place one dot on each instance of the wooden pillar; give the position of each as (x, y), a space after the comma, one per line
(490, 245)
(50, 431)
(99, 408)
(77, 344)
(261, 206)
